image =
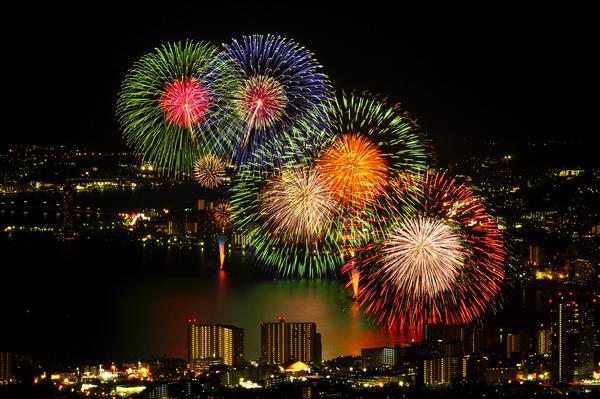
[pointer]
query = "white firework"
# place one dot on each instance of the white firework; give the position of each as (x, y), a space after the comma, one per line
(298, 204)
(209, 171)
(423, 256)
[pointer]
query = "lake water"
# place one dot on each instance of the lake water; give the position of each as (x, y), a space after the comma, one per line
(92, 300)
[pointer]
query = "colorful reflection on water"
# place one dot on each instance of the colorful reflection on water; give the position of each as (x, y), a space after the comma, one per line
(119, 300)
(229, 296)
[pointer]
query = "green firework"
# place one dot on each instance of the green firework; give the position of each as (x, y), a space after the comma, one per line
(172, 99)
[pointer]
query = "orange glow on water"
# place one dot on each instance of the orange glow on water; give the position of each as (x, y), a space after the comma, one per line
(222, 284)
(344, 328)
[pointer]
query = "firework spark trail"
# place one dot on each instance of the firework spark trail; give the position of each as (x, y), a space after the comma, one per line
(221, 242)
(355, 277)
(221, 215)
(250, 124)
(250, 127)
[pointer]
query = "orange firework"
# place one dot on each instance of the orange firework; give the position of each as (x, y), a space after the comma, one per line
(355, 168)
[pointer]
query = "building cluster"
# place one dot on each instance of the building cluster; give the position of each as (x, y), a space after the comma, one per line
(565, 350)
(550, 213)
(286, 349)
(562, 351)
(181, 227)
(45, 168)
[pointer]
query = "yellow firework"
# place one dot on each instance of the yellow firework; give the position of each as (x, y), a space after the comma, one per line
(209, 171)
(297, 204)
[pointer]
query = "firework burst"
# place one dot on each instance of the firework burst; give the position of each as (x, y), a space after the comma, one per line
(372, 142)
(422, 256)
(433, 254)
(355, 168)
(209, 171)
(185, 102)
(282, 85)
(221, 215)
(297, 204)
(172, 100)
(262, 102)
(291, 221)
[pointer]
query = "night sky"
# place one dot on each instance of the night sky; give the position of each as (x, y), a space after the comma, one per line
(466, 71)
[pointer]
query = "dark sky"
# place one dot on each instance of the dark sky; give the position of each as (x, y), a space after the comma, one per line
(499, 71)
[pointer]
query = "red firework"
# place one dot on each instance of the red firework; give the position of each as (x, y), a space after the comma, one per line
(185, 102)
(479, 275)
(221, 214)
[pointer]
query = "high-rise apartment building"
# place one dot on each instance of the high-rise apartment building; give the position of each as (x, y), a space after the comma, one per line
(378, 357)
(453, 337)
(443, 360)
(572, 337)
(475, 341)
(215, 341)
(543, 343)
(5, 367)
(290, 341)
(442, 370)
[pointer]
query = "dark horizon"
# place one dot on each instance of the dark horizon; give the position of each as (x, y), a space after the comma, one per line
(465, 71)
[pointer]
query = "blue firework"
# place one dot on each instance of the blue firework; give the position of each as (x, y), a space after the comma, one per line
(281, 87)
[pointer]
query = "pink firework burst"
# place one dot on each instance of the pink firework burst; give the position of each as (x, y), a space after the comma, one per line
(262, 101)
(185, 102)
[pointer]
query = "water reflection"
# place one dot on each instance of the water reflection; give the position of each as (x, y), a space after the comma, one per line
(162, 307)
(128, 301)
